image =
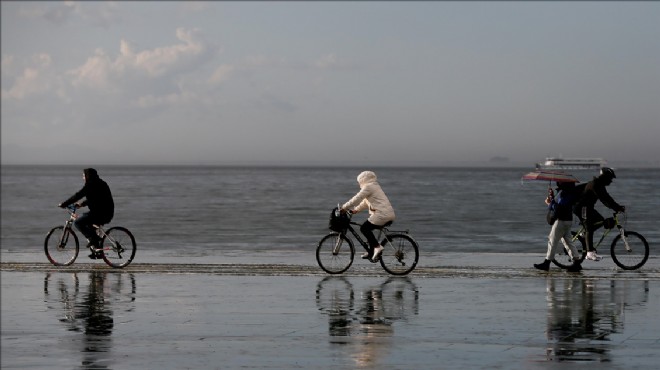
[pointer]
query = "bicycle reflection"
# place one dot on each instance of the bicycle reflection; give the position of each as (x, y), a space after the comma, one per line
(583, 313)
(91, 313)
(366, 325)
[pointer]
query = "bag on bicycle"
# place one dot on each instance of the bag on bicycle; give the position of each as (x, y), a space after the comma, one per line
(338, 221)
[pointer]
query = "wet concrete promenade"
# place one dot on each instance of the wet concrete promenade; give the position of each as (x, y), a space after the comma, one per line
(280, 311)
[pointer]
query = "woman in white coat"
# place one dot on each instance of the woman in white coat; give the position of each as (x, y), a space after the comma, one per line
(371, 197)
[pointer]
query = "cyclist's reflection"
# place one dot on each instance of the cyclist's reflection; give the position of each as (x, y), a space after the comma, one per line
(367, 327)
(583, 313)
(90, 312)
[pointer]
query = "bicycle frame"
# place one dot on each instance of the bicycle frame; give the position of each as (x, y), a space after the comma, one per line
(99, 230)
(381, 231)
(606, 232)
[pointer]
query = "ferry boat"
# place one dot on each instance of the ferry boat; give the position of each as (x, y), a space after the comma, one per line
(556, 163)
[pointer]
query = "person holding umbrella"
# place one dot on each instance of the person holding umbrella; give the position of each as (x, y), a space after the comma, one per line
(562, 204)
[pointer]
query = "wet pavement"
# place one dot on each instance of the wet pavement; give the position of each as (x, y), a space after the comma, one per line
(279, 311)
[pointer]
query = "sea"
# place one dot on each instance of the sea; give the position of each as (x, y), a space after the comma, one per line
(211, 210)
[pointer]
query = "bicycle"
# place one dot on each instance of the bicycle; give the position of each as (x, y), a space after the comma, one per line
(335, 252)
(629, 249)
(62, 246)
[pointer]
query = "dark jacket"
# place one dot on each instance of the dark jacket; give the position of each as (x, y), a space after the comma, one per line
(98, 198)
(594, 191)
(563, 203)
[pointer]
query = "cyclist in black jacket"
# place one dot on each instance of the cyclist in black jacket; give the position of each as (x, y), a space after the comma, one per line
(594, 191)
(98, 199)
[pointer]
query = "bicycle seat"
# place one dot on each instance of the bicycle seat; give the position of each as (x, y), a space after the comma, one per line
(388, 223)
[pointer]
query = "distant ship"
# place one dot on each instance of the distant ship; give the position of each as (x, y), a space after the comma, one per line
(556, 163)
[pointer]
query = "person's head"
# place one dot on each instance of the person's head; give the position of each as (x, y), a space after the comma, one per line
(366, 177)
(90, 173)
(606, 176)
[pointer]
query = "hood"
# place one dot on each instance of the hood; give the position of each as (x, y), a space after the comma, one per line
(91, 174)
(366, 177)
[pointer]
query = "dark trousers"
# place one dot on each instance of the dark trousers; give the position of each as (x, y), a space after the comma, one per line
(85, 223)
(589, 216)
(367, 229)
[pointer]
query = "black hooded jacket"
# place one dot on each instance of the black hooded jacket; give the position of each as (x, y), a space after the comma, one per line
(98, 197)
(595, 190)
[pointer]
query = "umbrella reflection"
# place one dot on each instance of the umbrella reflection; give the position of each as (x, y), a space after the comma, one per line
(90, 312)
(582, 314)
(365, 323)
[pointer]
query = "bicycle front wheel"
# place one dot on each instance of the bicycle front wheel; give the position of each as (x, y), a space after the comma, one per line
(335, 253)
(118, 247)
(61, 246)
(400, 254)
(631, 253)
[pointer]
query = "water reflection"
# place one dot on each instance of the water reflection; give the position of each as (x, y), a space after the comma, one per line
(582, 314)
(365, 322)
(90, 312)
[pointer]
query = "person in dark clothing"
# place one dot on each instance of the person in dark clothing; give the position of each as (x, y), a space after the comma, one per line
(561, 227)
(584, 208)
(98, 199)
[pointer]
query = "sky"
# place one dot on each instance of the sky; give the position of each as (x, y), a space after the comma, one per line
(381, 83)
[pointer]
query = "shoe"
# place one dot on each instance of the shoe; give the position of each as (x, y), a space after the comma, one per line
(544, 266)
(366, 256)
(575, 267)
(96, 255)
(377, 251)
(593, 256)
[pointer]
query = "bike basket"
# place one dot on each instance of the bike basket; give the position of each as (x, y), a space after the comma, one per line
(338, 221)
(608, 223)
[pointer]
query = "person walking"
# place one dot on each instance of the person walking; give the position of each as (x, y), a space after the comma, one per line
(98, 198)
(372, 197)
(592, 192)
(562, 204)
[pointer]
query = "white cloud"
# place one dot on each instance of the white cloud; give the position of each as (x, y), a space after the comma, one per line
(33, 80)
(159, 60)
(95, 73)
(100, 71)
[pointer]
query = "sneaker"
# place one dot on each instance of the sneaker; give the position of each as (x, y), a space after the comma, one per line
(593, 256)
(377, 251)
(366, 256)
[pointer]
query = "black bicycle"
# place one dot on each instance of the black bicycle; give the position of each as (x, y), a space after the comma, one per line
(335, 252)
(629, 249)
(62, 245)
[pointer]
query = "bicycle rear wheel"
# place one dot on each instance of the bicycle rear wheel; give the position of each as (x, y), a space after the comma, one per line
(335, 253)
(563, 259)
(118, 247)
(400, 254)
(61, 246)
(630, 258)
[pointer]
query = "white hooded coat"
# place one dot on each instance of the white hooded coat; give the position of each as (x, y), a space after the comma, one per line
(371, 197)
